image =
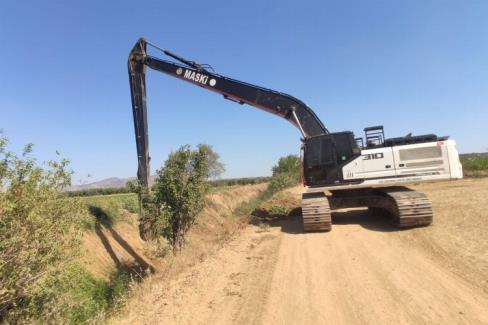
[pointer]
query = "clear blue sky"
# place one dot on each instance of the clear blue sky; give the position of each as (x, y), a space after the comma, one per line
(413, 66)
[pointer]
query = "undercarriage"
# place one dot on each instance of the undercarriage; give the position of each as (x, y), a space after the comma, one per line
(405, 207)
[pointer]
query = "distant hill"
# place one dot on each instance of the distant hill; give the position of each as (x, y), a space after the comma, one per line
(104, 183)
(112, 182)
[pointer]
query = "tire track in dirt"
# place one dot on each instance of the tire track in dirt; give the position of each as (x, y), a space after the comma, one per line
(355, 275)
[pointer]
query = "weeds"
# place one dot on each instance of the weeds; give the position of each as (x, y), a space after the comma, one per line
(286, 173)
(106, 208)
(475, 166)
(279, 210)
(472, 164)
(247, 207)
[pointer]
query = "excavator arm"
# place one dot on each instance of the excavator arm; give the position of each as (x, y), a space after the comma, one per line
(277, 103)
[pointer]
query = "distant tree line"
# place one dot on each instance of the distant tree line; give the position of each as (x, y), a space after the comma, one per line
(129, 188)
(239, 181)
(98, 191)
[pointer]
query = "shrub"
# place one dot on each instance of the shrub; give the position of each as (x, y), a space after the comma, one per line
(281, 181)
(286, 173)
(39, 235)
(288, 165)
(215, 167)
(178, 194)
(41, 278)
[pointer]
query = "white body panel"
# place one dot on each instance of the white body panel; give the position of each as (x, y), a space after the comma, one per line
(399, 165)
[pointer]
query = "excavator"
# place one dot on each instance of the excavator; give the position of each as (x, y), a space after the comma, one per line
(338, 170)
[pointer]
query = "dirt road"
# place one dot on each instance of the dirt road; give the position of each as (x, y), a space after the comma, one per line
(362, 272)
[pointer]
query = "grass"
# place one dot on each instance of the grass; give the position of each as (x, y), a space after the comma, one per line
(246, 208)
(279, 210)
(475, 163)
(475, 166)
(97, 295)
(106, 208)
(101, 295)
(124, 200)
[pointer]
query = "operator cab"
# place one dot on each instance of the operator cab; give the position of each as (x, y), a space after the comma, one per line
(325, 154)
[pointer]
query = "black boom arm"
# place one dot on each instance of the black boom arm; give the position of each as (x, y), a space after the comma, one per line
(283, 105)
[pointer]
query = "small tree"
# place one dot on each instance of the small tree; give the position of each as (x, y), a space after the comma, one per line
(288, 165)
(286, 173)
(132, 186)
(179, 193)
(215, 167)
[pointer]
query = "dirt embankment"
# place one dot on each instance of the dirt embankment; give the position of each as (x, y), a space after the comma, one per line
(119, 244)
(362, 272)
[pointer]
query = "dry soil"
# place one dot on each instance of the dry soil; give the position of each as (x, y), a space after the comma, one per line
(362, 272)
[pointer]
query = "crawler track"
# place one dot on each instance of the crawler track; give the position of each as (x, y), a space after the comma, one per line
(316, 212)
(409, 208)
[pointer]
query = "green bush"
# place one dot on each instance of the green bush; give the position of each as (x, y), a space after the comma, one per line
(177, 195)
(286, 173)
(41, 278)
(289, 165)
(215, 166)
(39, 235)
(281, 181)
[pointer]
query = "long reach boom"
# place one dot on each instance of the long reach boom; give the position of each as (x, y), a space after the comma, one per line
(283, 105)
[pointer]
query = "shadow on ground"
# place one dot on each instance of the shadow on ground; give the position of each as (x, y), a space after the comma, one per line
(139, 268)
(292, 222)
(364, 218)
